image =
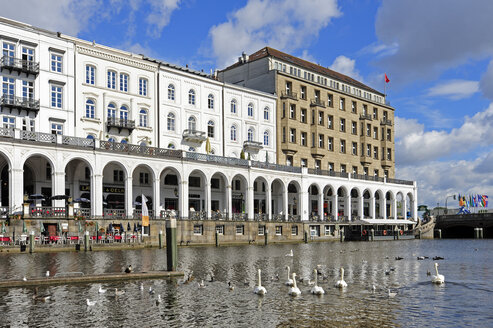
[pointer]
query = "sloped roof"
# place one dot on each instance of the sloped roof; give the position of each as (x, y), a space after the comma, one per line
(271, 52)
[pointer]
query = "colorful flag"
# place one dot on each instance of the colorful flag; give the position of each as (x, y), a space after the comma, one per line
(386, 78)
(485, 200)
(145, 212)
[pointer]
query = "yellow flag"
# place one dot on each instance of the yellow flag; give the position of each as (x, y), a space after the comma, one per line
(145, 212)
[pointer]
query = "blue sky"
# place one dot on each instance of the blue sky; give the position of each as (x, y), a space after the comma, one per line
(437, 54)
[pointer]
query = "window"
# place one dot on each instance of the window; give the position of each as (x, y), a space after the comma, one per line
(375, 133)
(313, 140)
(143, 118)
(375, 152)
(343, 146)
(250, 110)
(375, 113)
(266, 138)
(8, 122)
(355, 148)
(289, 160)
(292, 135)
(261, 230)
(198, 229)
(8, 52)
(355, 170)
(240, 229)
(320, 118)
(56, 96)
(353, 106)
(56, 63)
(90, 74)
(191, 97)
(343, 125)
(28, 90)
(171, 122)
(56, 128)
(27, 124)
(278, 230)
(8, 88)
(192, 123)
(303, 115)
(210, 129)
(342, 104)
(330, 167)
(90, 108)
(250, 134)
(365, 171)
(266, 113)
(171, 92)
(303, 92)
(233, 133)
(292, 111)
(144, 178)
(210, 101)
(354, 129)
(118, 176)
(389, 154)
(233, 106)
(365, 110)
(123, 82)
(124, 113)
(368, 150)
(327, 230)
(330, 100)
(283, 134)
(111, 110)
(320, 141)
(375, 173)
(343, 168)
(304, 162)
(294, 230)
(171, 145)
(111, 80)
(389, 134)
(330, 143)
(220, 229)
(143, 87)
(368, 130)
(303, 138)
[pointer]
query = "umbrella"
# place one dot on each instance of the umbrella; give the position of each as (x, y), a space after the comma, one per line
(59, 197)
(208, 147)
(128, 227)
(81, 200)
(137, 203)
(24, 228)
(135, 227)
(121, 228)
(110, 228)
(36, 196)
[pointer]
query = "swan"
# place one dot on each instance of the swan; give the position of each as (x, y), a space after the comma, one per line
(24, 278)
(290, 253)
(158, 301)
(341, 283)
(90, 303)
(47, 274)
(288, 282)
(40, 298)
(294, 290)
(391, 294)
(373, 288)
(151, 291)
(259, 289)
(231, 286)
(101, 290)
(141, 287)
(438, 278)
(201, 284)
(119, 292)
(317, 290)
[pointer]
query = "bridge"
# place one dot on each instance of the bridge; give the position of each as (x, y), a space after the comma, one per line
(463, 225)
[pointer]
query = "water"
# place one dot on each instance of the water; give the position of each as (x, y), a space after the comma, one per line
(464, 301)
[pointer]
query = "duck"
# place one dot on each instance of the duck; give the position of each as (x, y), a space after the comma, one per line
(391, 294)
(246, 283)
(275, 278)
(158, 300)
(231, 286)
(40, 298)
(420, 258)
(90, 303)
(259, 289)
(428, 273)
(128, 269)
(288, 282)
(101, 290)
(212, 277)
(290, 253)
(436, 258)
(437, 278)
(317, 290)
(294, 290)
(398, 258)
(201, 284)
(119, 292)
(151, 291)
(341, 283)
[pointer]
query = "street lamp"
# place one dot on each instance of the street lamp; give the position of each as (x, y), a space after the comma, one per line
(446, 198)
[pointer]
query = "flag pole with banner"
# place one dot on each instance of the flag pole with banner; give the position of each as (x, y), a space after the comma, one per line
(387, 80)
(145, 212)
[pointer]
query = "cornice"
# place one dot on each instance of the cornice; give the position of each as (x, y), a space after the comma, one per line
(114, 58)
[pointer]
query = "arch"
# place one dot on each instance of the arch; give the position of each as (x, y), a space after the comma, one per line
(210, 129)
(171, 122)
(111, 109)
(191, 97)
(261, 197)
(38, 177)
(250, 110)
(315, 201)
(233, 136)
(251, 134)
(239, 189)
(170, 189)
(192, 123)
(219, 202)
(6, 178)
(114, 176)
(143, 179)
(266, 113)
(171, 91)
(123, 112)
(234, 105)
(143, 117)
(78, 180)
(266, 138)
(210, 101)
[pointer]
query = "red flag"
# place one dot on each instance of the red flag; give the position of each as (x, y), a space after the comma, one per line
(386, 78)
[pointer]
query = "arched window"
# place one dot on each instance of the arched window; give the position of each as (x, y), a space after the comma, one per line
(233, 133)
(250, 134)
(90, 108)
(210, 101)
(123, 113)
(171, 145)
(210, 129)
(192, 123)
(143, 118)
(250, 110)
(90, 136)
(266, 138)
(111, 110)
(233, 106)
(171, 122)
(266, 113)
(171, 92)
(111, 139)
(191, 97)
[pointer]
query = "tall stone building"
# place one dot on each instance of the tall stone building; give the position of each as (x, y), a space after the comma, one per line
(325, 120)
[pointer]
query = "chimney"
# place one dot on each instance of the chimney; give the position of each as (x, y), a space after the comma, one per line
(244, 56)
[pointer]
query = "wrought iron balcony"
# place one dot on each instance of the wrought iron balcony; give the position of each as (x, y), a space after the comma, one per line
(19, 65)
(252, 147)
(365, 117)
(317, 102)
(194, 136)
(120, 124)
(289, 94)
(386, 122)
(19, 103)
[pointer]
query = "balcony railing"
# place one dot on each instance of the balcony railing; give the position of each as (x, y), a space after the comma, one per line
(240, 216)
(194, 136)
(317, 102)
(6, 132)
(19, 65)
(113, 213)
(398, 181)
(278, 217)
(277, 167)
(218, 215)
(294, 218)
(386, 122)
(20, 103)
(48, 212)
(252, 147)
(84, 212)
(289, 94)
(215, 159)
(138, 214)
(38, 136)
(197, 215)
(328, 173)
(114, 122)
(366, 117)
(168, 214)
(260, 216)
(79, 142)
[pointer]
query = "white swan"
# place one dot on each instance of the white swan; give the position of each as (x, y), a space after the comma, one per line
(294, 290)
(317, 290)
(119, 292)
(341, 283)
(438, 278)
(101, 290)
(90, 303)
(47, 274)
(158, 301)
(290, 253)
(288, 282)
(391, 294)
(201, 284)
(259, 289)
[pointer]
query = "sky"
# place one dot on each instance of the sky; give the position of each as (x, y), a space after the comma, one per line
(437, 54)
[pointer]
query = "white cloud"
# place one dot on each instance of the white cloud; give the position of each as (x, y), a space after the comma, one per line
(455, 89)
(160, 15)
(283, 24)
(346, 66)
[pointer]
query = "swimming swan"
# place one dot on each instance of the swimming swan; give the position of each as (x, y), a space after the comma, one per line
(294, 290)
(438, 278)
(288, 282)
(317, 290)
(341, 283)
(259, 289)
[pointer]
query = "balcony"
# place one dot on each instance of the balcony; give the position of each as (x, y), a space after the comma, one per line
(317, 102)
(289, 95)
(386, 163)
(252, 147)
(19, 65)
(365, 160)
(386, 121)
(365, 117)
(120, 124)
(194, 136)
(318, 153)
(20, 103)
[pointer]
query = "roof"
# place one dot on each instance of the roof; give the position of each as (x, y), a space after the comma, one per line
(271, 52)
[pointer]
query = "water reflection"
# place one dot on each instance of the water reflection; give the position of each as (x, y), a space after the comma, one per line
(464, 298)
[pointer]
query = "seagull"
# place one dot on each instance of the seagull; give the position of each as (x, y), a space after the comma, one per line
(101, 290)
(158, 301)
(391, 294)
(90, 303)
(47, 274)
(231, 286)
(290, 253)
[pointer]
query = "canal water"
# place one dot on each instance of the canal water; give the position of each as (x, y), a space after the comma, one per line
(465, 300)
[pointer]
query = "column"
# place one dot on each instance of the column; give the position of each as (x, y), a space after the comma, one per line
(321, 205)
(347, 206)
(285, 203)
(157, 197)
(404, 207)
(96, 195)
(58, 182)
(415, 208)
(303, 206)
(249, 200)
(335, 207)
(16, 189)
(383, 207)
(394, 208)
(129, 206)
(208, 199)
(361, 204)
(372, 207)
(229, 203)
(183, 199)
(268, 203)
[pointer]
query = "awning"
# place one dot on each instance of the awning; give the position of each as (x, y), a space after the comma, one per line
(387, 221)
